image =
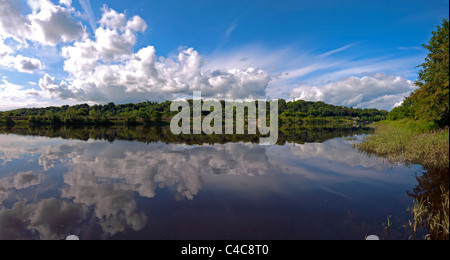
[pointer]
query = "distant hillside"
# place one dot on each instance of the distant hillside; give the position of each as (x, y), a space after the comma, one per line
(151, 113)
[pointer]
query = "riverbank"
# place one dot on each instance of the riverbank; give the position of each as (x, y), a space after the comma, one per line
(418, 142)
(409, 141)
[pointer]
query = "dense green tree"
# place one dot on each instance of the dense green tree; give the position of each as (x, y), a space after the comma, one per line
(151, 112)
(431, 100)
(94, 115)
(156, 115)
(9, 121)
(71, 114)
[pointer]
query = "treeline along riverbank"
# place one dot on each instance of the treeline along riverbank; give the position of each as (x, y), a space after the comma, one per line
(153, 113)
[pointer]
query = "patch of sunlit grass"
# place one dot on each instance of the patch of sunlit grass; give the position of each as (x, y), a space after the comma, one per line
(416, 142)
(409, 142)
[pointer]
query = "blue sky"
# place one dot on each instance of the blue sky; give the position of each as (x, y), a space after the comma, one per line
(351, 53)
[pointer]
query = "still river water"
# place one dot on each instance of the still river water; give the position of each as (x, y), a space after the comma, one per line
(123, 189)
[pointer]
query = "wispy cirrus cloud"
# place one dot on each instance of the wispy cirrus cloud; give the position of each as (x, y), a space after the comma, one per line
(340, 76)
(295, 64)
(230, 30)
(89, 13)
(329, 53)
(112, 63)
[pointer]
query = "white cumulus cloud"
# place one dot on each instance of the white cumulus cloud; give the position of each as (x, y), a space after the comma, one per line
(48, 24)
(50, 87)
(18, 62)
(65, 2)
(12, 23)
(107, 68)
(54, 24)
(26, 64)
(105, 65)
(374, 90)
(112, 19)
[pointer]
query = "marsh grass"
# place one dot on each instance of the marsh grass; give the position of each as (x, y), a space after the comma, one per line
(409, 142)
(416, 142)
(432, 216)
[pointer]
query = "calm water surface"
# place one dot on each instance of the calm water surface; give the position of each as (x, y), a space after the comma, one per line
(52, 187)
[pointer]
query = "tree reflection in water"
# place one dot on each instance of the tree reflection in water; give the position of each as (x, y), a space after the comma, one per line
(291, 134)
(310, 185)
(431, 192)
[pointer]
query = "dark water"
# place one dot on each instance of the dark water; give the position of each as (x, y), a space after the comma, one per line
(98, 189)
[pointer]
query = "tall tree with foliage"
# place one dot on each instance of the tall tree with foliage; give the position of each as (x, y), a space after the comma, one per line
(431, 100)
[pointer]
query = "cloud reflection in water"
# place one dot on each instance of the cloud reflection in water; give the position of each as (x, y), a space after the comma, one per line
(101, 180)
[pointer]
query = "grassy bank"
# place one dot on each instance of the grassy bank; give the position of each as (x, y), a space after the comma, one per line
(418, 142)
(412, 142)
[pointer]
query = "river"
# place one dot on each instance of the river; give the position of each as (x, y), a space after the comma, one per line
(53, 185)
